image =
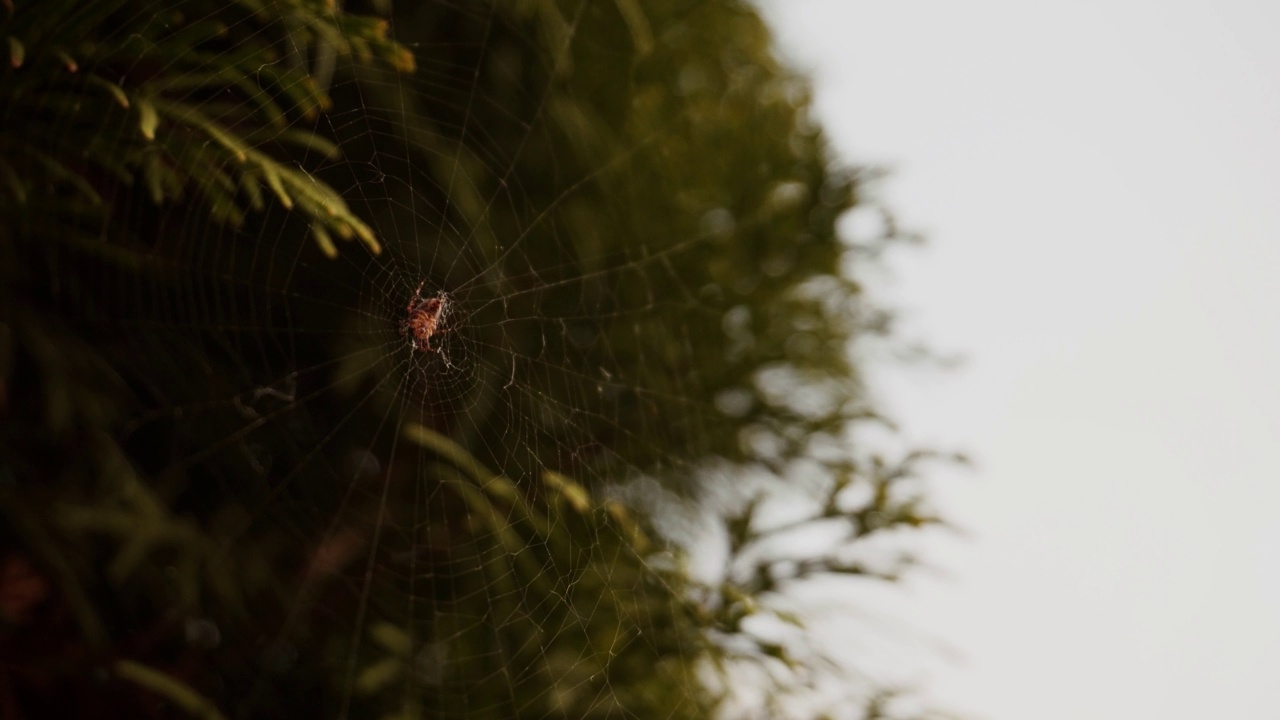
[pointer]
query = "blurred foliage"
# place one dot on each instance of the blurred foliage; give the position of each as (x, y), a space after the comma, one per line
(229, 486)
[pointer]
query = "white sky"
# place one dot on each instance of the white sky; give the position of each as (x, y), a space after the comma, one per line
(1100, 183)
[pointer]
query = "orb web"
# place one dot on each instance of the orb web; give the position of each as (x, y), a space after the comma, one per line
(362, 506)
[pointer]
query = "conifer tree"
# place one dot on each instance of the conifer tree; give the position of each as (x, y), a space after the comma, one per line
(188, 365)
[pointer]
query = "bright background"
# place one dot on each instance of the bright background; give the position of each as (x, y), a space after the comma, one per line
(1100, 185)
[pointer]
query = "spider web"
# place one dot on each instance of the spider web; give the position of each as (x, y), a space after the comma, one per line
(487, 528)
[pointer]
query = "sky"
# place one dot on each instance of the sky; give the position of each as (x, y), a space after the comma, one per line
(1099, 183)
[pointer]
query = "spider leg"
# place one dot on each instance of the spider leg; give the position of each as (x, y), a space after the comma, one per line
(417, 295)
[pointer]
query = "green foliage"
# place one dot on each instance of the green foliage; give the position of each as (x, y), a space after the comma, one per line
(232, 485)
(180, 73)
(588, 629)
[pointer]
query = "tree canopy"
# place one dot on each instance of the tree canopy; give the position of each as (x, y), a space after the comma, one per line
(234, 485)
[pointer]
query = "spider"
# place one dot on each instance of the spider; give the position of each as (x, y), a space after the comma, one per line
(426, 315)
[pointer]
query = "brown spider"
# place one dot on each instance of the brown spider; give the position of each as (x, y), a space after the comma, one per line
(426, 315)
